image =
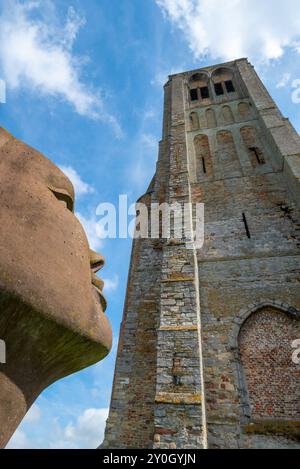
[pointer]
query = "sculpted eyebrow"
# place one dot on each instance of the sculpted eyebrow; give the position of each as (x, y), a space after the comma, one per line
(62, 194)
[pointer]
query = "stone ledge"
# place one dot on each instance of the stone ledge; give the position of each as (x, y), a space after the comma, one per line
(275, 426)
(178, 279)
(178, 398)
(179, 328)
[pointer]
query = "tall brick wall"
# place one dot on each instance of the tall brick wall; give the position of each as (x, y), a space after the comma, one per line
(131, 418)
(237, 271)
(200, 327)
(179, 417)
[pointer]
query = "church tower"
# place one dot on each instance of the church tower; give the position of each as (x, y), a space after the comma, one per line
(205, 357)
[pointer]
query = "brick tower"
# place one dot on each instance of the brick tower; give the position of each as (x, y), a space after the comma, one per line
(207, 336)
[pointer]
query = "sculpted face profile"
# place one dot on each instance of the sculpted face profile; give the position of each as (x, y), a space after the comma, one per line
(52, 317)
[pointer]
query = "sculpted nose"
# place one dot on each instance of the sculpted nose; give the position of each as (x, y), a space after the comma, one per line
(96, 260)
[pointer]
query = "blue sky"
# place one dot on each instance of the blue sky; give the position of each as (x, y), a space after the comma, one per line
(84, 85)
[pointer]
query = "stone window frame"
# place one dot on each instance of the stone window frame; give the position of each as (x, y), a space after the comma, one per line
(238, 321)
(194, 84)
(227, 95)
(240, 92)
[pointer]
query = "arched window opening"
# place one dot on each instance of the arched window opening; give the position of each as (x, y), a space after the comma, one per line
(196, 77)
(227, 115)
(194, 119)
(194, 94)
(204, 92)
(229, 86)
(254, 146)
(203, 156)
(258, 154)
(228, 159)
(219, 89)
(271, 377)
(223, 81)
(199, 87)
(244, 110)
(210, 118)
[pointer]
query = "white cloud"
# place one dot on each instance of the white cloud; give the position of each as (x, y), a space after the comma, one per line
(141, 171)
(93, 229)
(19, 441)
(33, 415)
(145, 146)
(111, 284)
(2, 92)
(148, 140)
(80, 187)
(161, 76)
(36, 52)
(296, 92)
(284, 80)
(20, 438)
(257, 29)
(297, 46)
(87, 432)
(149, 114)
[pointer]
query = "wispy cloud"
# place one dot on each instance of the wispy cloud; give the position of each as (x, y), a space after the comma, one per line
(148, 139)
(141, 168)
(162, 74)
(93, 229)
(34, 414)
(19, 441)
(257, 29)
(283, 82)
(111, 284)
(36, 51)
(80, 187)
(296, 92)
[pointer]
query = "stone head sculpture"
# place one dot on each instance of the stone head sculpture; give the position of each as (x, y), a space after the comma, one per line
(52, 317)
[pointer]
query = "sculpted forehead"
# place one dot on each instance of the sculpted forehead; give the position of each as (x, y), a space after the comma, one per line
(20, 159)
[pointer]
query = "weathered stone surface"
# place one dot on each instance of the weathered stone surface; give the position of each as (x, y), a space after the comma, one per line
(51, 304)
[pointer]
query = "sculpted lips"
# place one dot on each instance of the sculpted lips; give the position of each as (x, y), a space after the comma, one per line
(98, 285)
(97, 262)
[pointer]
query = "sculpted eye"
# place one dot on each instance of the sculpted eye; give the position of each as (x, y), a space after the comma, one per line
(64, 198)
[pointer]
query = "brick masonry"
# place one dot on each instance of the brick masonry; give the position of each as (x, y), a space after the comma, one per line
(205, 357)
(272, 378)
